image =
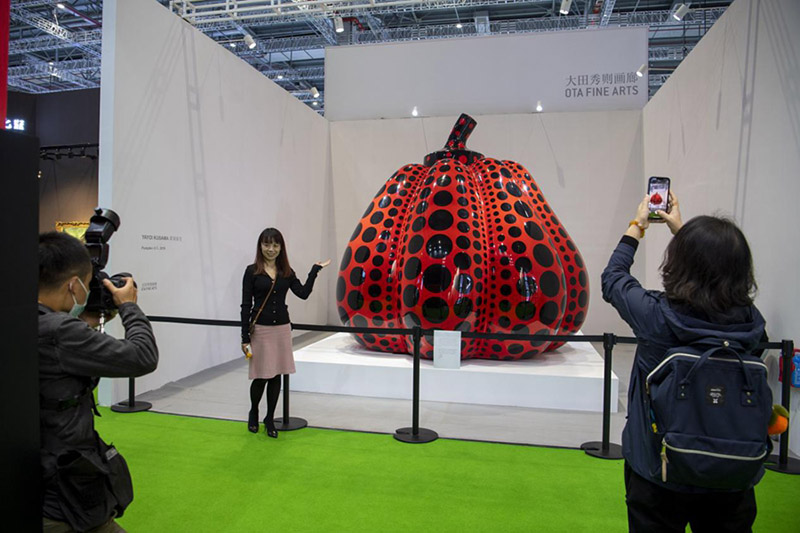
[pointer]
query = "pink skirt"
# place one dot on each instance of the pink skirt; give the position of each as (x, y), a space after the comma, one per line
(272, 351)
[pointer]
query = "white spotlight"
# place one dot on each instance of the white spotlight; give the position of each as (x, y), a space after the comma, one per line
(642, 70)
(61, 6)
(680, 12)
(315, 103)
(232, 45)
(539, 106)
(459, 26)
(280, 76)
(565, 5)
(414, 112)
(249, 41)
(314, 92)
(338, 24)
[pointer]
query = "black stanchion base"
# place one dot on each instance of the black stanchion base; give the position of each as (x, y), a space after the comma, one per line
(423, 435)
(792, 465)
(125, 407)
(290, 425)
(595, 449)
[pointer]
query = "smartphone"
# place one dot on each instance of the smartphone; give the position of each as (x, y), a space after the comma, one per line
(658, 196)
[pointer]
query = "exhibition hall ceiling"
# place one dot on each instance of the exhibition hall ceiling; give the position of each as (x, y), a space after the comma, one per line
(55, 46)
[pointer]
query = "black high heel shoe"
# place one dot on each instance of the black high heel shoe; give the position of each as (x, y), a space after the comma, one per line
(269, 427)
(252, 421)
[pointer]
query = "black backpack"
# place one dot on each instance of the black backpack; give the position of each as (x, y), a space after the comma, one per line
(709, 412)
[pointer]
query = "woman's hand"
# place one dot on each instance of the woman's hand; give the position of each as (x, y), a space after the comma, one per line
(643, 213)
(640, 222)
(323, 264)
(246, 350)
(673, 218)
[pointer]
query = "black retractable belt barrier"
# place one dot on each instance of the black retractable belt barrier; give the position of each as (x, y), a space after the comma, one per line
(131, 405)
(286, 422)
(604, 449)
(416, 434)
(782, 462)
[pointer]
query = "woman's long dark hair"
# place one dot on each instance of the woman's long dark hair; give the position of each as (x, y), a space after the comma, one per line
(708, 267)
(282, 262)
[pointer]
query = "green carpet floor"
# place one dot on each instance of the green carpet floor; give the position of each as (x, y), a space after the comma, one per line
(200, 475)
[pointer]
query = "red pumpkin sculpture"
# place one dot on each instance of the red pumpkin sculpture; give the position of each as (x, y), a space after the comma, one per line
(463, 243)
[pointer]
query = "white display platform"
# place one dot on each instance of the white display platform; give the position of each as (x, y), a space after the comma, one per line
(568, 378)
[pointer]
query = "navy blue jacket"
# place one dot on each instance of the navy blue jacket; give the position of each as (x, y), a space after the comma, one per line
(660, 325)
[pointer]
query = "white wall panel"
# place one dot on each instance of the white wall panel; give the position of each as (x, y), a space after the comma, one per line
(199, 153)
(726, 128)
(568, 71)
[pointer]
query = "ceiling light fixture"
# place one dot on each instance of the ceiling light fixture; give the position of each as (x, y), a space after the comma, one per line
(314, 92)
(338, 24)
(414, 112)
(642, 70)
(232, 44)
(539, 106)
(314, 103)
(60, 5)
(680, 12)
(565, 5)
(249, 41)
(280, 76)
(459, 26)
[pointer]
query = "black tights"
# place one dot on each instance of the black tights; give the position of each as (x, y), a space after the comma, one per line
(273, 386)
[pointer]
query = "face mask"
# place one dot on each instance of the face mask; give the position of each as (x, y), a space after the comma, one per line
(77, 308)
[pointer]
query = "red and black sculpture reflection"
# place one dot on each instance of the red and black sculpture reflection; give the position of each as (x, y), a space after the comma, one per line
(464, 243)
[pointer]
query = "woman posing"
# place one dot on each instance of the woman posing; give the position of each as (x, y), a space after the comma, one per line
(266, 330)
(708, 286)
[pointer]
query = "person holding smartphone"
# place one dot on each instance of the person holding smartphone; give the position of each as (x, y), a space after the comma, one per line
(708, 280)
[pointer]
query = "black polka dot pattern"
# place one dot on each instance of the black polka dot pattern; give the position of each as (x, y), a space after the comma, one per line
(462, 243)
(440, 288)
(366, 290)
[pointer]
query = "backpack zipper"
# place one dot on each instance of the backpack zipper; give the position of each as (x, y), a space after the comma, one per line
(693, 356)
(666, 446)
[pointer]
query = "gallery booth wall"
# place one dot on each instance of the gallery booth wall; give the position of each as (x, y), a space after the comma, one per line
(200, 152)
(726, 128)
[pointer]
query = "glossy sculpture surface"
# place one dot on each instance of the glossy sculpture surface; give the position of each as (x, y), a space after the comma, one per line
(462, 242)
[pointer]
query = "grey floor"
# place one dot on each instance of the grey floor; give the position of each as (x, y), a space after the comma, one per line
(223, 392)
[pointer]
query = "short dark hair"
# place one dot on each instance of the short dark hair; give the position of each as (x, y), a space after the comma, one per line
(61, 256)
(708, 267)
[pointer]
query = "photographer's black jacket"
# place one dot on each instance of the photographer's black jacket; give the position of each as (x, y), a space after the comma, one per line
(255, 289)
(71, 358)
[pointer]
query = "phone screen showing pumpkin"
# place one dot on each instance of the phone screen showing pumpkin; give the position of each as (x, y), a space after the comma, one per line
(658, 193)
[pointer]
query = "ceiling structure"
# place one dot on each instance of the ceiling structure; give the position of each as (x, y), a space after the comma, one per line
(55, 46)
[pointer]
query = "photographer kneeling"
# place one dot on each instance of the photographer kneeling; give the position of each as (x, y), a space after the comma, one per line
(86, 482)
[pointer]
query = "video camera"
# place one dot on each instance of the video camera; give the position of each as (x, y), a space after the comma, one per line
(101, 226)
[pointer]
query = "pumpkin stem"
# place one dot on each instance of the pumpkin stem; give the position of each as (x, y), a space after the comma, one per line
(460, 133)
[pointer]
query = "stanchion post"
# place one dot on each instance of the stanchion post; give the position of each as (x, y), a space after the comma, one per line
(604, 449)
(416, 434)
(131, 405)
(782, 462)
(286, 422)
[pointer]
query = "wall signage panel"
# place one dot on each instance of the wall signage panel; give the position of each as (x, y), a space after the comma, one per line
(588, 70)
